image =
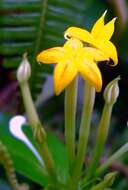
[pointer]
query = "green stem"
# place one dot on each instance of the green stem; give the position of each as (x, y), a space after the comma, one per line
(39, 41)
(49, 163)
(70, 117)
(32, 116)
(38, 130)
(101, 139)
(113, 158)
(89, 98)
(44, 4)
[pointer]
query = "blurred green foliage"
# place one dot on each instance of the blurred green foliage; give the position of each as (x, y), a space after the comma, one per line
(24, 160)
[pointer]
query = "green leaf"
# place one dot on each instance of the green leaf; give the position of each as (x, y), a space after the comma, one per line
(24, 160)
(60, 156)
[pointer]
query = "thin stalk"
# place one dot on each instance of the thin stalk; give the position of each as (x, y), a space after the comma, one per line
(29, 106)
(44, 4)
(88, 103)
(101, 139)
(38, 130)
(113, 158)
(110, 95)
(39, 40)
(70, 118)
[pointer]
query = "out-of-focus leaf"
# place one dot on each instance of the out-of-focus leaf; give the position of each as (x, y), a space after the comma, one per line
(59, 154)
(24, 160)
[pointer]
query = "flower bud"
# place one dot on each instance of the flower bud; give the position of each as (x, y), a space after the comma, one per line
(111, 92)
(106, 182)
(24, 70)
(110, 178)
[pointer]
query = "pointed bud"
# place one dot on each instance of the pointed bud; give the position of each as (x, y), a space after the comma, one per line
(106, 182)
(110, 178)
(111, 92)
(24, 70)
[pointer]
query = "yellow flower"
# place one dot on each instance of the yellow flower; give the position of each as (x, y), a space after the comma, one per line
(71, 59)
(99, 37)
(80, 54)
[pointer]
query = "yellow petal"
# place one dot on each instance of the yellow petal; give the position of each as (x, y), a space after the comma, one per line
(78, 33)
(73, 44)
(64, 73)
(90, 72)
(52, 55)
(98, 26)
(97, 54)
(108, 30)
(109, 49)
(106, 46)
